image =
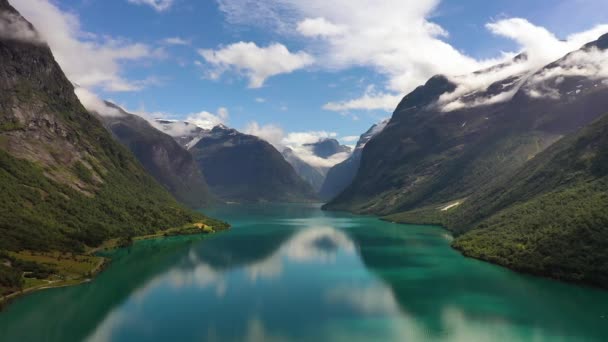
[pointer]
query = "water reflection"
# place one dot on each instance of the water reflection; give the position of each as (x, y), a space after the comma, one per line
(208, 278)
(71, 313)
(292, 273)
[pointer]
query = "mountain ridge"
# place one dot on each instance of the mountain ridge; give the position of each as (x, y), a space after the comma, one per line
(162, 157)
(426, 156)
(244, 168)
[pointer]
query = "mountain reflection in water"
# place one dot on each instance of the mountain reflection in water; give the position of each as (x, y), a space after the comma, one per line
(295, 273)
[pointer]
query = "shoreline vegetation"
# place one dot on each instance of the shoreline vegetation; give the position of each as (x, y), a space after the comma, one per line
(436, 217)
(34, 271)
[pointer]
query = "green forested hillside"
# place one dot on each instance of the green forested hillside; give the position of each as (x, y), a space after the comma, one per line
(522, 183)
(551, 217)
(65, 184)
(64, 181)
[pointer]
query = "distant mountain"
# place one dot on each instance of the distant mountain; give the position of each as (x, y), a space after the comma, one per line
(326, 148)
(432, 153)
(65, 183)
(548, 218)
(318, 158)
(244, 168)
(162, 157)
(312, 175)
(341, 175)
(185, 133)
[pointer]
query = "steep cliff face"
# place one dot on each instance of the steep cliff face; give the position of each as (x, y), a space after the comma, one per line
(162, 157)
(244, 168)
(64, 181)
(428, 156)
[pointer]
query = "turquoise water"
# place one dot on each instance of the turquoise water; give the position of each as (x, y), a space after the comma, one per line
(295, 273)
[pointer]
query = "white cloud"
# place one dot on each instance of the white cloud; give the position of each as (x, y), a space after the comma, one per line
(275, 135)
(271, 133)
(393, 37)
(260, 100)
(203, 119)
(87, 60)
(398, 40)
(541, 48)
(310, 137)
(319, 27)
(176, 41)
(256, 63)
(590, 63)
(92, 103)
(207, 120)
(541, 45)
(157, 5)
(350, 138)
(14, 27)
(371, 100)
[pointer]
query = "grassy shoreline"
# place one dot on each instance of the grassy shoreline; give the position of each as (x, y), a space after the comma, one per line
(74, 269)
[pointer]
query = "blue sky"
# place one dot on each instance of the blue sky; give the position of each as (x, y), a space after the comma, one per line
(178, 81)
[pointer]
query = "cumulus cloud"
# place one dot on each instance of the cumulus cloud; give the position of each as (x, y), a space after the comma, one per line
(14, 27)
(319, 27)
(296, 141)
(256, 63)
(370, 100)
(87, 60)
(399, 40)
(395, 38)
(157, 5)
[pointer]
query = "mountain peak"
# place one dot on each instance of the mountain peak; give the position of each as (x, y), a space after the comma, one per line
(222, 127)
(602, 42)
(242, 167)
(328, 147)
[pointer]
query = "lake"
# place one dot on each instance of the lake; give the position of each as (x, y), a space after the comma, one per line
(296, 273)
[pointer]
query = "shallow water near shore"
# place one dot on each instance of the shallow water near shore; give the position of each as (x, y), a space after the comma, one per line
(296, 273)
